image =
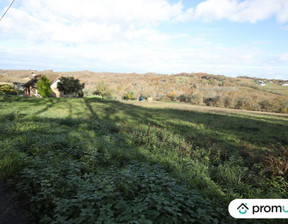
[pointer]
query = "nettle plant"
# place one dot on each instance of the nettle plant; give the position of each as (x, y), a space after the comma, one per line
(137, 193)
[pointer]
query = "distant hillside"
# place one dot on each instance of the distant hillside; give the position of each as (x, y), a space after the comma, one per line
(194, 88)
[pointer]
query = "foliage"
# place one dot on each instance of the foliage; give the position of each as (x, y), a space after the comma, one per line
(144, 194)
(129, 96)
(196, 99)
(217, 90)
(80, 94)
(43, 87)
(276, 161)
(7, 89)
(70, 85)
(172, 95)
(103, 90)
(104, 161)
(145, 94)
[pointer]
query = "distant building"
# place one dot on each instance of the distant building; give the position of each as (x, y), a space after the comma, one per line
(260, 82)
(54, 89)
(31, 86)
(19, 85)
(285, 84)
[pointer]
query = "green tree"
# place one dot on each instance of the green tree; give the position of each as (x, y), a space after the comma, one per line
(43, 87)
(129, 96)
(103, 90)
(70, 85)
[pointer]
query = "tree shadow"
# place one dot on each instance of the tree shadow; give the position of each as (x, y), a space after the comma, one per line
(205, 129)
(246, 128)
(49, 103)
(196, 126)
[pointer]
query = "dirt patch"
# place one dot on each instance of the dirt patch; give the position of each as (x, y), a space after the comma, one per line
(10, 210)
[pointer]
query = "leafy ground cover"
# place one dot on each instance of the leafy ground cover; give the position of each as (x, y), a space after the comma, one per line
(91, 160)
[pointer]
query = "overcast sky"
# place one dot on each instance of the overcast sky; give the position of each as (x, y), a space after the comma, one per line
(229, 37)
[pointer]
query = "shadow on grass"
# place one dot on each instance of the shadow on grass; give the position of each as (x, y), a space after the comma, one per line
(185, 122)
(74, 135)
(201, 128)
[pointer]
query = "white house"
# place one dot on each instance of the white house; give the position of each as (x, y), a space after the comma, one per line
(55, 91)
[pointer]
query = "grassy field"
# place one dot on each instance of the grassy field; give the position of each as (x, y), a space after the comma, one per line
(190, 88)
(210, 109)
(275, 88)
(90, 160)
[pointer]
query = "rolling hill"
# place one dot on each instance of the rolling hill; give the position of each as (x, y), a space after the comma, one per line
(193, 88)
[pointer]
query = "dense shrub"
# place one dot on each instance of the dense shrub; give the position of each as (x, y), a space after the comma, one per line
(172, 95)
(129, 96)
(229, 101)
(80, 94)
(43, 87)
(145, 94)
(102, 89)
(282, 104)
(216, 101)
(244, 103)
(266, 105)
(275, 105)
(7, 89)
(182, 98)
(196, 98)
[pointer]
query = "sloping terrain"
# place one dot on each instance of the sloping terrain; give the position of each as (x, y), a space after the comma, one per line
(194, 88)
(90, 160)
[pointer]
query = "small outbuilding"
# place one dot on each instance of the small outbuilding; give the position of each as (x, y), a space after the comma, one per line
(18, 85)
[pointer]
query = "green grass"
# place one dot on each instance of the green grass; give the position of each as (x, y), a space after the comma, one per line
(274, 88)
(91, 160)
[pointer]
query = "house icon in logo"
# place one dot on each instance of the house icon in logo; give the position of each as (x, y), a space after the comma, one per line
(243, 208)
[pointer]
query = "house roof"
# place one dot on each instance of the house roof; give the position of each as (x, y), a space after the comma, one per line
(53, 78)
(18, 83)
(33, 82)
